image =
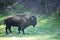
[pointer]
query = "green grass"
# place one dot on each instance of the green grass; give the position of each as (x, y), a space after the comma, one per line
(46, 29)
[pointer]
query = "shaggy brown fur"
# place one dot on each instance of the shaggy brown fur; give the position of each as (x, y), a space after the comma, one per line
(21, 21)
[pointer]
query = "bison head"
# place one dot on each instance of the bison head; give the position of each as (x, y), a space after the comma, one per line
(33, 21)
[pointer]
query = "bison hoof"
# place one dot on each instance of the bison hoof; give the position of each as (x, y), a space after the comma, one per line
(23, 33)
(6, 33)
(18, 33)
(11, 32)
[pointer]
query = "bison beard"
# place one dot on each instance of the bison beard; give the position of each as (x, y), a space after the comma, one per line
(21, 21)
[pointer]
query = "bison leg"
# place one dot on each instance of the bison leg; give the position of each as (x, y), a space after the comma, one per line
(23, 31)
(10, 29)
(19, 29)
(6, 29)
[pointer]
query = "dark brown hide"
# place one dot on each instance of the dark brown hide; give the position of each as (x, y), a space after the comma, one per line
(21, 21)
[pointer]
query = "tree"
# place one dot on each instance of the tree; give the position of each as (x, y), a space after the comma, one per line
(6, 3)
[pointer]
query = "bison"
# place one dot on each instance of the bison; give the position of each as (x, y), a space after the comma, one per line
(22, 21)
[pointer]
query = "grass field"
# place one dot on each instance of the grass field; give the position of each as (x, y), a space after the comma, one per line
(46, 29)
